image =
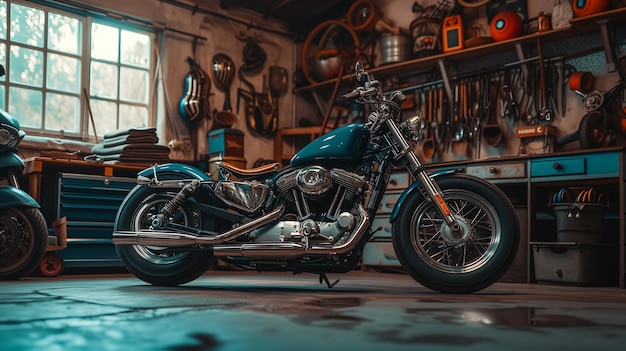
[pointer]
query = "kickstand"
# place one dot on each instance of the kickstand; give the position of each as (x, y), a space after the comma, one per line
(324, 278)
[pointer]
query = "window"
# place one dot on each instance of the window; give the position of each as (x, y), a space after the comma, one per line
(65, 69)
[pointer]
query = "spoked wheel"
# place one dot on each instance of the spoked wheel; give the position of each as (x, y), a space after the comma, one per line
(153, 264)
(23, 241)
(458, 263)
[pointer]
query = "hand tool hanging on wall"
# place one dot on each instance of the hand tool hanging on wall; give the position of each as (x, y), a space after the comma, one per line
(429, 148)
(492, 132)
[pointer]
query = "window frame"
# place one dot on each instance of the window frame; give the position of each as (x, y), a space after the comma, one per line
(87, 18)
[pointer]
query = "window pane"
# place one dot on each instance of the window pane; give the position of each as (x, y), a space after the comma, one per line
(62, 112)
(133, 116)
(104, 115)
(2, 104)
(104, 42)
(3, 59)
(64, 33)
(63, 73)
(26, 106)
(26, 66)
(135, 49)
(27, 25)
(133, 85)
(3, 20)
(103, 80)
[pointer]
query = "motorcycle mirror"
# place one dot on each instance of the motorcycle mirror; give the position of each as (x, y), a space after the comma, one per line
(2, 71)
(359, 70)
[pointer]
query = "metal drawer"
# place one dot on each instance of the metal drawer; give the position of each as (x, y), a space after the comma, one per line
(498, 171)
(388, 202)
(580, 166)
(385, 232)
(398, 180)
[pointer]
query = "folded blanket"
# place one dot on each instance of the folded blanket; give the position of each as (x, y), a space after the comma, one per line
(131, 131)
(130, 139)
(147, 151)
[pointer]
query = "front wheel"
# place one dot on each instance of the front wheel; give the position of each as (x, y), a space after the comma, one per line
(451, 263)
(153, 264)
(23, 241)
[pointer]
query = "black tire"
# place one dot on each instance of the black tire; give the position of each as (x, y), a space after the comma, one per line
(429, 253)
(592, 130)
(23, 241)
(156, 265)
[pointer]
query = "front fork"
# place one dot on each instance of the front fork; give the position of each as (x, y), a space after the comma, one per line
(419, 172)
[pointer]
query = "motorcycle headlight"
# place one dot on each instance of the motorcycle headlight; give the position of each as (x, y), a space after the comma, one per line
(411, 128)
(9, 136)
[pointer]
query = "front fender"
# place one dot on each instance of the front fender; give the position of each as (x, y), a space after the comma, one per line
(415, 187)
(174, 171)
(12, 196)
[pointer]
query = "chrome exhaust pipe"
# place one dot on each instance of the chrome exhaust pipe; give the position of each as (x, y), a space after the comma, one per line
(149, 237)
(293, 250)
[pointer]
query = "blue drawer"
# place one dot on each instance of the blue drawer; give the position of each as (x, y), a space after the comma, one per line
(597, 165)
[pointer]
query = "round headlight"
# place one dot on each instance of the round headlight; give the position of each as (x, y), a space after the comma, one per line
(411, 128)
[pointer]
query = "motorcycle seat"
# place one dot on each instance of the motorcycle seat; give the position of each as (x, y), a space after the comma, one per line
(249, 172)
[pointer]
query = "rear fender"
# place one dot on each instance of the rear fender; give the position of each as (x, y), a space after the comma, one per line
(170, 171)
(415, 187)
(12, 197)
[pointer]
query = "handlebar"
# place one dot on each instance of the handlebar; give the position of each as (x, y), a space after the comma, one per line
(359, 92)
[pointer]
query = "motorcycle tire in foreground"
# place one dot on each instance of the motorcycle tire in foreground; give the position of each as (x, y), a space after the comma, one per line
(439, 260)
(23, 241)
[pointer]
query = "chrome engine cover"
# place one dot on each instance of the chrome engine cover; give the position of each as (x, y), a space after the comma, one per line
(246, 196)
(314, 180)
(295, 231)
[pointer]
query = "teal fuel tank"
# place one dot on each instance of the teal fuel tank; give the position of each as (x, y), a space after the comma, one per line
(343, 146)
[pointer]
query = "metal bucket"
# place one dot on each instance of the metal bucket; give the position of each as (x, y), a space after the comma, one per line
(395, 47)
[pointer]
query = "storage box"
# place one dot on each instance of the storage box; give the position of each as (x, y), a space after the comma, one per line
(570, 263)
(579, 222)
(225, 142)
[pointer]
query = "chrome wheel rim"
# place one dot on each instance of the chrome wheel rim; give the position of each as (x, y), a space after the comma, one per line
(434, 242)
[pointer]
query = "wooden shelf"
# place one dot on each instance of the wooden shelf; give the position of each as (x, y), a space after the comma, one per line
(584, 25)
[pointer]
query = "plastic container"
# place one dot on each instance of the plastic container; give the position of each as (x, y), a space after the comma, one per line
(571, 264)
(579, 222)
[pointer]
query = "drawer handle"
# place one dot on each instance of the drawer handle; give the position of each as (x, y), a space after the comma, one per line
(557, 166)
(493, 170)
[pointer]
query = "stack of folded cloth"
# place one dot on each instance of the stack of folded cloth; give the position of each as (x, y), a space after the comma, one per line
(134, 145)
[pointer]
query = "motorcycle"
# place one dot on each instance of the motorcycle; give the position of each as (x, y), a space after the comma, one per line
(452, 232)
(23, 229)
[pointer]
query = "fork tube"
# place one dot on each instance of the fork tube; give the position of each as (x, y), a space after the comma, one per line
(417, 170)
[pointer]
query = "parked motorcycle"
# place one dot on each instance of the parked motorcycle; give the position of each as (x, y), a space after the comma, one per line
(452, 232)
(23, 229)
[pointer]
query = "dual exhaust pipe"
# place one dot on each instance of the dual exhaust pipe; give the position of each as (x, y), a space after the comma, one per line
(261, 250)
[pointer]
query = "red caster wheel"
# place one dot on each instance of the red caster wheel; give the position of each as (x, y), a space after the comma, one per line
(51, 265)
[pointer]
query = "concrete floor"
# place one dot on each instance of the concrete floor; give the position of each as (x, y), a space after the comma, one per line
(226, 310)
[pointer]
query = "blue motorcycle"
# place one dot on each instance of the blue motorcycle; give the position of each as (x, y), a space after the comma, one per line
(23, 229)
(452, 232)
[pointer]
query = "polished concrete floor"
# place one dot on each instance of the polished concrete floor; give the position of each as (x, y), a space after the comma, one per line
(225, 310)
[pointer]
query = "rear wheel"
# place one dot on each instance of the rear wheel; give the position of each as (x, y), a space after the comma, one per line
(153, 264)
(23, 241)
(449, 263)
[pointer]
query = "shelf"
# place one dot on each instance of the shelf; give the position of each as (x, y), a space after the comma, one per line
(591, 24)
(584, 25)
(414, 66)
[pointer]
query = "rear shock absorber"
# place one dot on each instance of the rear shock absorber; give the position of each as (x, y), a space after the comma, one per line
(171, 207)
